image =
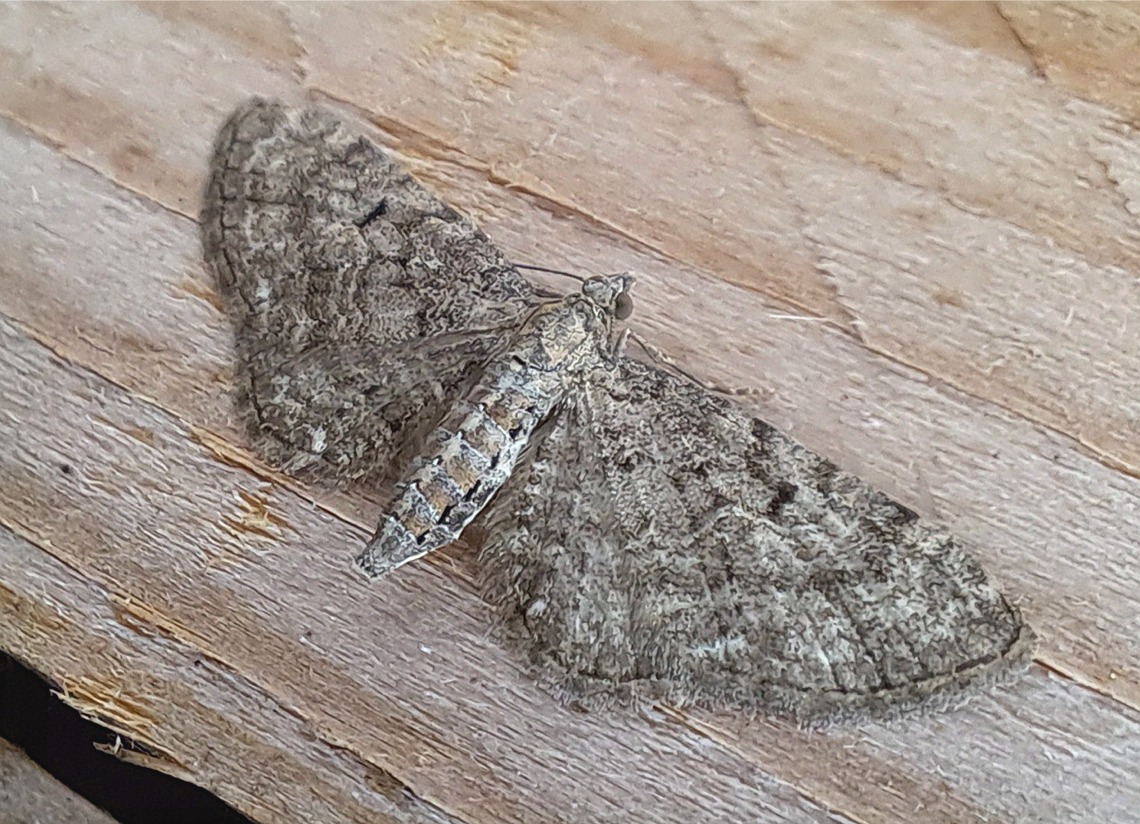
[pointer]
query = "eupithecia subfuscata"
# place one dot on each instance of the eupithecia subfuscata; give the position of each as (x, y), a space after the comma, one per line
(645, 539)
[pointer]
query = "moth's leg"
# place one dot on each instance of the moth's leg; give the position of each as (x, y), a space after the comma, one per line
(664, 359)
(618, 349)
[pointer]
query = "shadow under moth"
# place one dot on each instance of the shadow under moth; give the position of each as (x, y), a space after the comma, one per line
(645, 539)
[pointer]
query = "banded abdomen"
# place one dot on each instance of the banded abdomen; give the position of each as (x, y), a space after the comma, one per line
(464, 462)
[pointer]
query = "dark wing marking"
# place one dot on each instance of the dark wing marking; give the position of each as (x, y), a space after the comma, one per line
(662, 545)
(361, 302)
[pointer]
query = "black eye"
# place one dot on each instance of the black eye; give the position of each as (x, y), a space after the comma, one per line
(623, 306)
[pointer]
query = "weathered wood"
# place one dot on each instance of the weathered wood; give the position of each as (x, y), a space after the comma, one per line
(402, 673)
(254, 516)
(29, 794)
(935, 449)
(914, 230)
(775, 148)
(187, 713)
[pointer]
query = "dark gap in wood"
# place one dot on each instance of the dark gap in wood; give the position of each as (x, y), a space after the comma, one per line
(62, 741)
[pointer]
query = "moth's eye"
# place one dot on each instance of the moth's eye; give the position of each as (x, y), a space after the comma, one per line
(623, 306)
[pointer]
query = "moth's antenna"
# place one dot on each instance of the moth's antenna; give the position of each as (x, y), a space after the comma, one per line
(578, 278)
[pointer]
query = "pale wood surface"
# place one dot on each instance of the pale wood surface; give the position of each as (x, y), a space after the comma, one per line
(913, 228)
(29, 795)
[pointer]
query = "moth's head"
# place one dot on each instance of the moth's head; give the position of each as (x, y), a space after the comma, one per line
(611, 294)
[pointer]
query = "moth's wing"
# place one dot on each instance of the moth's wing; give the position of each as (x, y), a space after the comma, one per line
(660, 544)
(354, 412)
(361, 302)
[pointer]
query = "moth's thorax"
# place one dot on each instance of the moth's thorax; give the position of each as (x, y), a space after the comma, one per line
(573, 333)
(559, 336)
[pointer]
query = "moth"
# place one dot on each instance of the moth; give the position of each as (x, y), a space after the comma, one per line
(645, 538)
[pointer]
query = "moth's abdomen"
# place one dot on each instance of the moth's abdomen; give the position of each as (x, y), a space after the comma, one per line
(464, 462)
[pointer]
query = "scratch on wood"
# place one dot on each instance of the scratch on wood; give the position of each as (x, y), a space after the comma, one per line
(138, 433)
(22, 611)
(148, 621)
(229, 454)
(257, 520)
(945, 296)
(202, 292)
(1034, 62)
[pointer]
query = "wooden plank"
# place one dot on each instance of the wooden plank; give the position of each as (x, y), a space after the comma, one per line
(248, 575)
(916, 220)
(952, 228)
(91, 79)
(1087, 49)
(265, 517)
(967, 231)
(1043, 751)
(935, 449)
(186, 713)
(30, 794)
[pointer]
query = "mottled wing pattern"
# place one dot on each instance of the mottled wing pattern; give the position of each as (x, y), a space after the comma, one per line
(661, 544)
(362, 303)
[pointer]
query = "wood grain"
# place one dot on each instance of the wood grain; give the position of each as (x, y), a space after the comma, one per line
(402, 671)
(913, 228)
